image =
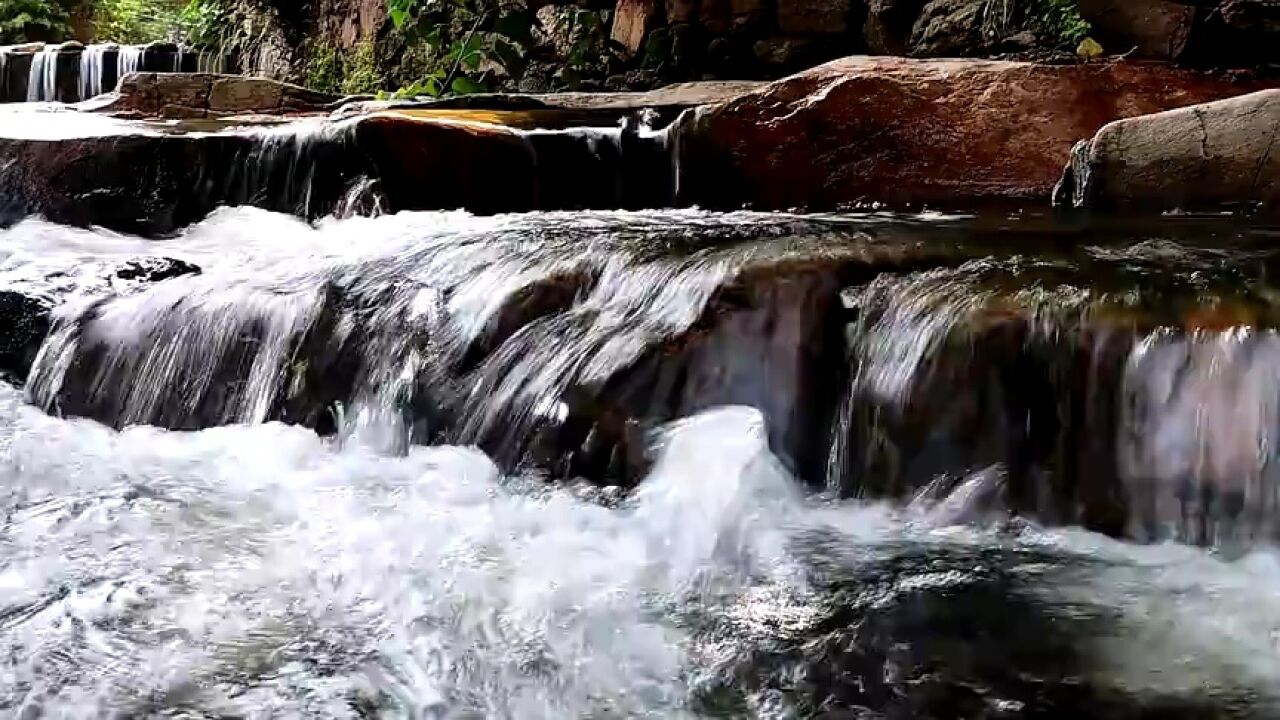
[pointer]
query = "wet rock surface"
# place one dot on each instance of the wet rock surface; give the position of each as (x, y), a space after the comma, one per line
(906, 133)
(1218, 155)
(153, 180)
(857, 132)
(202, 95)
(1014, 364)
(154, 269)
(25, 319)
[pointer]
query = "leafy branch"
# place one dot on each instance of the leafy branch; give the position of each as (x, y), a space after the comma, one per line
(472, 40)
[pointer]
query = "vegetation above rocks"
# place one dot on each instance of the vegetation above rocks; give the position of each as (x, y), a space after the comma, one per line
(123, 21)
(136, 21)
(1062, 20)
(28, 20)
(350, 73)
(470, 40)
(441, 47)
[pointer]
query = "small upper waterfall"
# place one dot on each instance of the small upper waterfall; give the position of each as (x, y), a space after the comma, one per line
(129, 60)
(211, 61)
(42, 80)
(71, 72)
(92, 69)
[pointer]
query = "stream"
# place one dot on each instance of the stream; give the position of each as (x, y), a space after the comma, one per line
(642, 464)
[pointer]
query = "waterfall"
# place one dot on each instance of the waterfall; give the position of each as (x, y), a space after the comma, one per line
(211, 61)
(129, 60)
(92, 66)
(287, 344)
(42, 81)
(626, 166)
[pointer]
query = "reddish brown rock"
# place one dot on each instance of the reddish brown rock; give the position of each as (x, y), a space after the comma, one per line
(203, 95)
(632, 20)
(938, 133)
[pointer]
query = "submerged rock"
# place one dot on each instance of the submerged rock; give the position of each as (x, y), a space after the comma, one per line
(939, 133)
(154, 268)
(1075, 383)
(1203, 157)
(25, 321)
(29, 296)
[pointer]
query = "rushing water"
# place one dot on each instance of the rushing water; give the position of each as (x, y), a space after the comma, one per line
(242, 567)
(94, 69)
(42, 81)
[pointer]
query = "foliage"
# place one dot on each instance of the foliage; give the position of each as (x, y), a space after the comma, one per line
(1062, 20)
(1057, 21)
(586, 32)
(360, 71)
(323, 70)
(353, 73)
(25, 20)
(472, 41)
(137, 21)
(203, 23)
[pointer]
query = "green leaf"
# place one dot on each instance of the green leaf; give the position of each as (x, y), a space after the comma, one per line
(509, 57)
(433, 38)
(469, 50)
(517, 25)
(464, 85)
(401, 11)
(570, 76)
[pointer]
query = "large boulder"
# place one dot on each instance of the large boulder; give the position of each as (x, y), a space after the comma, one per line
(205, 95)
(83, 169)
(1237, 33)
(1156, 29)
(940, 133)
(632, 20)
(888, 25)
(813, 16)
(1208, 156)
(950, 28)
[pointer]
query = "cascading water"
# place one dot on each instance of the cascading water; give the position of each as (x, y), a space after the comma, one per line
(211, 61)
(99, 67)
(129, 60)
(356, 519)
(92, 69)
(42, 81)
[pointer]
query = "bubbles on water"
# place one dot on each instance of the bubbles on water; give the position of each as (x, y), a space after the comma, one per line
(260, 569)
(246, 565)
